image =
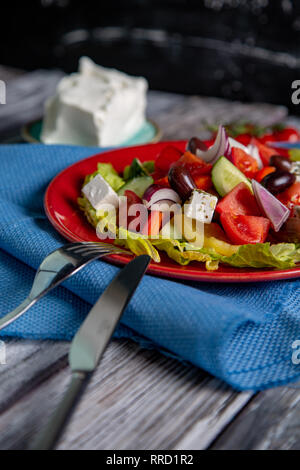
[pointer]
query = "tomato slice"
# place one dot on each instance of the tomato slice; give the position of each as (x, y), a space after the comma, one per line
(195, 165)
(291, 196)
(267, 152)
(244, 162)
(259, 176)
(166, 158)
(289, 134)
(157, 175)
(132, 199)
(244, 229)
(164, 182)
(244, 139)
(240, 201)
(203, 182)
(188, 158)
(153, 225)
(266, 138)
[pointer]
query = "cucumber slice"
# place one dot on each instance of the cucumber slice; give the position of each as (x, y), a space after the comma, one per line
(225, 176)
(137, 185)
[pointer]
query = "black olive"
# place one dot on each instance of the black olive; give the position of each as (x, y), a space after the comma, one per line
(181, 181)
(280, 163)
(289, 232)
(278, 181)
(194, 143)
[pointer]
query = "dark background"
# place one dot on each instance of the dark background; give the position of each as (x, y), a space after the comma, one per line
(238, 49)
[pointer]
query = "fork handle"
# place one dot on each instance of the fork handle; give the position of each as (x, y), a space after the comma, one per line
(12, 316)
(49, 436)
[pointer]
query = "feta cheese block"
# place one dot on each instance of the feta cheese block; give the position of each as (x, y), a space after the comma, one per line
(99, 193)
(95, 107)
(201, 206)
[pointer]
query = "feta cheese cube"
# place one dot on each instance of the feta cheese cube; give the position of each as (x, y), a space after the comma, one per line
(96, 106)
(201, 206)
(99, 193)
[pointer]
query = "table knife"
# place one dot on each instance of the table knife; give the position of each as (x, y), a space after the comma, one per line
(90, 343)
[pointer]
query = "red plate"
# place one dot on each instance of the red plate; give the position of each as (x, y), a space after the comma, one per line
(62, 211)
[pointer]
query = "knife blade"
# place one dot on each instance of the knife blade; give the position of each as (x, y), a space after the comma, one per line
(90, 343)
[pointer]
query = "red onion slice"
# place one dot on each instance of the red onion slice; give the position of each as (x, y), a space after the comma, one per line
(165, 205)
(273, 209)
(218, 149)
(156, 193)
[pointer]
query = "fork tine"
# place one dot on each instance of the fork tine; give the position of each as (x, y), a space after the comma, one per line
(93, 250)
(99, 244)
(86, 249)
(55, 270)
(75, 246)
(103, 251)
(89, 248)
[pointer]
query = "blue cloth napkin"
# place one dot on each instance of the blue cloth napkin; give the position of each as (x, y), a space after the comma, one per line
(287, 145)
(241, 333)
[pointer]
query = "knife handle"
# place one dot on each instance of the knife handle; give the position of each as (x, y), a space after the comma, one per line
(49, 436)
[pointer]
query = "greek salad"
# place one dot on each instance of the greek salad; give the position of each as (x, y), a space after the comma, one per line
(233, 199)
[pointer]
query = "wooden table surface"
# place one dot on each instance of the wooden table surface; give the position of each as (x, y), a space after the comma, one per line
(140, 399)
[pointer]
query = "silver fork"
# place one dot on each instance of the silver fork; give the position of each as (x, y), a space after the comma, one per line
(56, 268)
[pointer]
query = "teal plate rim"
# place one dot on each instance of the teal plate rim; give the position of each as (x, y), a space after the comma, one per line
(149, 133)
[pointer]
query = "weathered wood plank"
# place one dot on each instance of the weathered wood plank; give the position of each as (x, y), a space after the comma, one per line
(28, 364)
(269, 422)
(137, 399)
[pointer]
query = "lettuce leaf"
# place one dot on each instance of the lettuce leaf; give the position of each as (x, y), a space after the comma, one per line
(296, 255)
(264, 255)
(136, 243)
(183, 253)
(88, 210)
(107, 171)
(110, 175)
